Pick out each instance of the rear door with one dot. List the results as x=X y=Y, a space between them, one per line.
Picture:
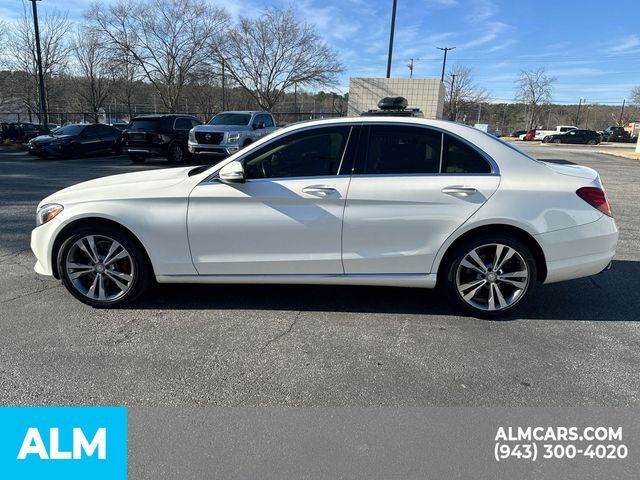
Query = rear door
x=90 y=139
x=412 y=188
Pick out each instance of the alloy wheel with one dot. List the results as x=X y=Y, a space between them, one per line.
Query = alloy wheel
x=100 y=268
x=492 y=277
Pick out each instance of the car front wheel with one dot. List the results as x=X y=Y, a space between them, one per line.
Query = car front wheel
x=490 y=275
x=556 y=140
x=103 y=266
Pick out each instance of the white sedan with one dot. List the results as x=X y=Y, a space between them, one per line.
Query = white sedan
x=381 y=201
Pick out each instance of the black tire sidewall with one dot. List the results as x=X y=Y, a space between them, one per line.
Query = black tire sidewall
x=141 y=279
x=453 y=260
x=171 y=156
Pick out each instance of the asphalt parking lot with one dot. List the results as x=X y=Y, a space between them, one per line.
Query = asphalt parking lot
x=575 y=343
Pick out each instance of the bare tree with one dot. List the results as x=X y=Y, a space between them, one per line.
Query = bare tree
x=275 y=51
x=635 y=95
x=95 y=81
x=21 y=50
x=534 y=89
x=459 y=89
x=167 y=39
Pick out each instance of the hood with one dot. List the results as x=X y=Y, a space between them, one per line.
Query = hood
x=222 y=128
x=44 y=139
x=573 y=170
x=123 y=186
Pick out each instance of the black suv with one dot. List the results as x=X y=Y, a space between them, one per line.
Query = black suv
x=616 y=134
x=158 y=136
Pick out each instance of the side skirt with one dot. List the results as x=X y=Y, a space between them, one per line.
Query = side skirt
x=398 y=280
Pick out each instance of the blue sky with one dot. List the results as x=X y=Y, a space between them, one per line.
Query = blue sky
x=592 y=49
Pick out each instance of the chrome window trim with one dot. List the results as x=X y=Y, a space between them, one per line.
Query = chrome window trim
x=495 y=169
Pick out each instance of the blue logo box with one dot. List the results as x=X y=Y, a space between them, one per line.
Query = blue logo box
x=63 y=443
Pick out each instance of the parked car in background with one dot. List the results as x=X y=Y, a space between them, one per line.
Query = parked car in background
x=529 y=136
x=228 y=132
x=364 y=201
x=517 y=133
x=158 y=136
x=616 y=134
x=76 y=140
x=119 y=125
x=21 y=131
x=585 y=137
x=541 y=134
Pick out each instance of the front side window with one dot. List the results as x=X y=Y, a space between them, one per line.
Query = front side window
x=310 y=153
x=183 y=124
x=394 y=149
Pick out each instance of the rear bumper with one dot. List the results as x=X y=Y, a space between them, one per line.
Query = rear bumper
x=579 y=251
x=148 y=151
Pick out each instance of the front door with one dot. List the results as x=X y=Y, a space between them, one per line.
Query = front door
x=412 y=188
x=286 y=219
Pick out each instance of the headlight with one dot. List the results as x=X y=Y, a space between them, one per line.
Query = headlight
x=48 y=212
x=233 y=137
x=192 y=136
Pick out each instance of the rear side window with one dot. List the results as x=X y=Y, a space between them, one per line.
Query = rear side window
x=267 y=120
x=402 y=150
x=144 y=125
x=459 y=157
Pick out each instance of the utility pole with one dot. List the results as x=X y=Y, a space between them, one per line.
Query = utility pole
x=410 y=65
x=578 y=114
x=621 y=112
x=479 y=111
x=43 y=100
x=444 y=60
x=586 y=123
x=393 y=26
x=452 y=112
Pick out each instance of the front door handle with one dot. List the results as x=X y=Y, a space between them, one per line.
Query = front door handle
x=319 y=190
x=459 y=190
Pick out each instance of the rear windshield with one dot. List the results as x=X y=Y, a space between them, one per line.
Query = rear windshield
x=68 y=130
x=144 y=124
x=231 y=119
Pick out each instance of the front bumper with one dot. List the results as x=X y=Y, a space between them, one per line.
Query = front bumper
x=42 y=239
x=147 y=151
x=213 y=150
x=580 y=251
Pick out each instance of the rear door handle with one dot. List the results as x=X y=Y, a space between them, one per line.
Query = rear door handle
x=459 y=190
x=319 y=190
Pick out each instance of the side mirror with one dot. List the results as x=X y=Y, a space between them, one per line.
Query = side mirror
x=232 y=173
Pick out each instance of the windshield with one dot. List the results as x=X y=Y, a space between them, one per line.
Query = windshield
x=68 y=130
x=231 y=119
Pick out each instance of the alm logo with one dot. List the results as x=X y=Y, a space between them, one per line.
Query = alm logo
x=34 y=445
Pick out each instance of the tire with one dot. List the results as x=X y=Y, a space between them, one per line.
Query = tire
x=137 y=158
x=246 y=143
x=556 y=141
x=102 y=284
x=176 y=153
x=479 y=289
x=592 y=142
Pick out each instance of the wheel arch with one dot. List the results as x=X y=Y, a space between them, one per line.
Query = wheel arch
x=79 y=223
x=517 y=232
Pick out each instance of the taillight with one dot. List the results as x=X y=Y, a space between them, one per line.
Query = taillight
x=595 y=197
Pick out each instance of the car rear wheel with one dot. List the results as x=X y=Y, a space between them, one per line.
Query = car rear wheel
x=103 y=266
x=137 y=158
x=490 y=275
x=556 y=140
x=176 y=153
x=592 y=142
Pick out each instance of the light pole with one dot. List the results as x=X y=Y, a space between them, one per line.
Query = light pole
x=43 y=100
x=393 y=26
x=444 y=60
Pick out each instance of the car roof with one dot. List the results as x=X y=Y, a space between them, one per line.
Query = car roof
x=162 y=115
